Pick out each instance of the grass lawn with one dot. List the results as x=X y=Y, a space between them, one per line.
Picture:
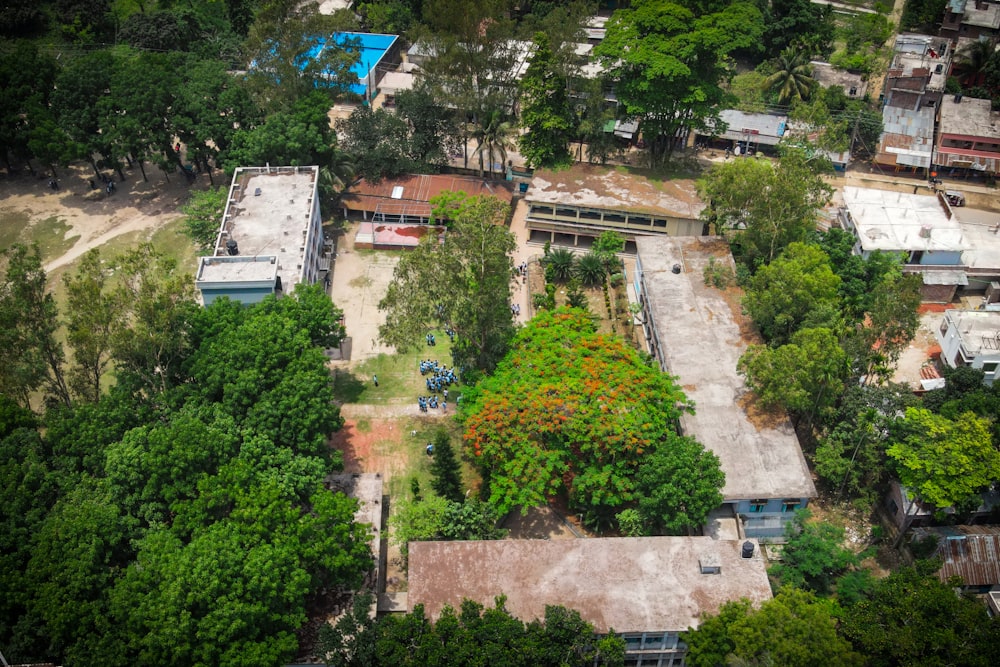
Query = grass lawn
x=50 y=234
x=398 y=374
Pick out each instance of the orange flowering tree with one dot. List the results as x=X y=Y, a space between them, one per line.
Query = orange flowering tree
x=569 y=411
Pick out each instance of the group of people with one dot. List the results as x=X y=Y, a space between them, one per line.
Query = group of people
x=440 y=379
x=109 y=184
x=515 y=309
x=431 y=341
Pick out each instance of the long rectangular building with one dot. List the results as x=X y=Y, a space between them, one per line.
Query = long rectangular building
x=270 y=237
x=648 y=589
x=697 y=333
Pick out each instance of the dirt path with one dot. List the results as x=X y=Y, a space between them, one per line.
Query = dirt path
x=91 y=215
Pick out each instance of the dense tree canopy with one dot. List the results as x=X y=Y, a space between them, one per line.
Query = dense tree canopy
x=145 y=515
x=805 y=376
x=799 y=288
x=573 y=412
x=790 y=630
x=913 y=618
x=471 y=635
x=850 y=457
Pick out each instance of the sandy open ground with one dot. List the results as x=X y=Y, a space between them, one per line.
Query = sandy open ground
x=93 y=216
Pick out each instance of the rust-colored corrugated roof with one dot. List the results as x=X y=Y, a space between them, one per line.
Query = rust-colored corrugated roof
x=415 y=192
x=970 y=552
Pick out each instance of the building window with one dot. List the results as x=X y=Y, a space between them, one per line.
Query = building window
x=990 y=367
x=757 y=506
x=944 y=327
x=790 y=505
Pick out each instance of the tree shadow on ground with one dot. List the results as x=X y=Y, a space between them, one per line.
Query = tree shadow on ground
x=347 y=387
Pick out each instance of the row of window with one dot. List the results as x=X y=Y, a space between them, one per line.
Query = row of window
x=759 y=506
x=606 y=217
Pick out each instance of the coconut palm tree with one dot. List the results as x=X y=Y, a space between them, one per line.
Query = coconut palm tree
x=493 y=138
x=334 y=178
x=976 y=59
x=793 y=79
x=590 y=270
x=559 y=265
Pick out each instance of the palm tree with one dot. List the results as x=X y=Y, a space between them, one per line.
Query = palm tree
x=334 y=177
x=793 y=79
x=590 y=270
x=975 y=59
x=492 y=139
x=559 y=265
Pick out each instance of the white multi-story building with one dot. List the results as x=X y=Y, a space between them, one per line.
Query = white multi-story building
x=971 y=338
x=270 y=237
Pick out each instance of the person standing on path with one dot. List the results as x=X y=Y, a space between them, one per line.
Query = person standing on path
x=375 y=380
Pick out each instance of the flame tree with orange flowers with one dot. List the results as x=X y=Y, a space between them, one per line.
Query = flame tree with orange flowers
x=580 y=415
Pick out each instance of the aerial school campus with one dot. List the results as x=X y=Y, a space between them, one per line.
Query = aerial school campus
x=622 y=333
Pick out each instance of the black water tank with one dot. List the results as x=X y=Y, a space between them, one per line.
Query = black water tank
x=232 y=248
x=958 y=98
x=748 y=549
x=676 y=268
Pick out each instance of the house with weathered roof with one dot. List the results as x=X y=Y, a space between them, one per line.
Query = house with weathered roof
x=698 y=333
x=971 y=553
x=647 y=589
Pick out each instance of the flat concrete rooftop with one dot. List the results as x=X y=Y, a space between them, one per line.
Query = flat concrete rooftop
x=897 y=221
x=615 y=188
x=268 y=214
x=240 y=268
x=979 y=330
x=702 y=335
x=971 y=117
x=626 y=584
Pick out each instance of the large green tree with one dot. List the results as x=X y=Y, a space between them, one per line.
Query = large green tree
x=431 y=126
x=805 y=376
x=790 y=630
x=572 y=412
x=378 y=141
x=798 y=289
x=946 y=462
x=677 y=485
x=668 y=64
x=545 y=110
x=790 y=21
x=30 y=356
x=913 y=618
x=93 y=314
x=462 y=283
x=26 y=82
x=765 y=205
x=299 y=136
